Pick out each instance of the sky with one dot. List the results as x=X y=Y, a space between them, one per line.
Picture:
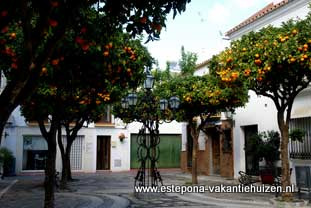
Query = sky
x=199 y=28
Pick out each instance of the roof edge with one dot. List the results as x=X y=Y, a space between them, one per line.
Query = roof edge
x=261 y=13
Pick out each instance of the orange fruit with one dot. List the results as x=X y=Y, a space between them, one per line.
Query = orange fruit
x=14 y=66
x=44 y=70
x=106 y=53
x=13 y=35
x=258 y=62
x=55 y=62
x=53 y=23
x=54 y=3
x=234 y=75
x=292 y=60
x=229 y=60
x=85 y=47
x=247 y=72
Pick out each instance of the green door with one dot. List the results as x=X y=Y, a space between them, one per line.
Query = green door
x=170 y=147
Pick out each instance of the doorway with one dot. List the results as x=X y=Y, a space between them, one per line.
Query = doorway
x=215 y=152
x=251 y=163
x=169 y=146
x=189 y=147
x=103 y=153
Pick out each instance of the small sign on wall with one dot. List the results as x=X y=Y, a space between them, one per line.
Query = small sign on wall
x=113 y=144
x=117 y=163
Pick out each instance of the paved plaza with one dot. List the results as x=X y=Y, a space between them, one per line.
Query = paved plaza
x=111 y=189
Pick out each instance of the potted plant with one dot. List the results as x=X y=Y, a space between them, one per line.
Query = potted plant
x=265 y=146
x=297 y=135
x=121 y=137
x=6 y=161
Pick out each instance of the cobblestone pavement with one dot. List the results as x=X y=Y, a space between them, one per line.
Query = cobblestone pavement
x=162 y=200
x=122 y=185
x=90 y=190
x=110 y=189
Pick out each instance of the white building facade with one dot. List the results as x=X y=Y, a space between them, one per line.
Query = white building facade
x=260 y=114
x=97 y=147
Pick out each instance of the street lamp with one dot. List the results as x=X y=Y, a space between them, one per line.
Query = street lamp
x=174 y=102
x=163 y=104
x=132 y=99
x=148 y=137
x=148 y=84
x=125 y=103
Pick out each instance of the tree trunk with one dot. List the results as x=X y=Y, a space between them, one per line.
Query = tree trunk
x=63 y=183
x=284 y=128
x=68 y=167
x=66 y=170
x=66 y=164
x=65 y=154
x=50 y=169
x=8 y=102
x=195 y=161
x=194 y=135
x=71 y=136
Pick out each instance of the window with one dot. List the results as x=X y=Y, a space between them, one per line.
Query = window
x=301 y=150
x=76 y=152
x=106 y=119
x=35 y=150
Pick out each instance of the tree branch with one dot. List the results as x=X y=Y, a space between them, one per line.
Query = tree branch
x=43 y=130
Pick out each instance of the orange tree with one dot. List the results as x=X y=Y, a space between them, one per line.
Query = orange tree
x=275 y=62
x=31 y=30
x=200 y=98
x=84 y=74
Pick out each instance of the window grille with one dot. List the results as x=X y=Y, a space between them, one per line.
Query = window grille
x=76 y=152
x=301 y=150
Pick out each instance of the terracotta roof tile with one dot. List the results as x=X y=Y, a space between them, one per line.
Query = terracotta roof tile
x=266 y=10
x=202 y=64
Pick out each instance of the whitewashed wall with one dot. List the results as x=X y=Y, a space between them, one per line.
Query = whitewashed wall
x=201 y=71
x=294 y=9
x=261 y=110
x=120 y=151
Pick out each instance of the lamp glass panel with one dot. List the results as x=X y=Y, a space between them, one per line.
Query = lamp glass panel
x=132 y=99
x=163 y=104
x=148 y=84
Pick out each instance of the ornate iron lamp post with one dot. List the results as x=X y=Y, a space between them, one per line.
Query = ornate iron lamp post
x=148 y=136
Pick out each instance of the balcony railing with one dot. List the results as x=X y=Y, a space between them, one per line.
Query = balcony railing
x=301 y=150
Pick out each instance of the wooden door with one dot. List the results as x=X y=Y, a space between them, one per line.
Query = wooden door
x=103 y=153
x=251 y=164
x=216 y=154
